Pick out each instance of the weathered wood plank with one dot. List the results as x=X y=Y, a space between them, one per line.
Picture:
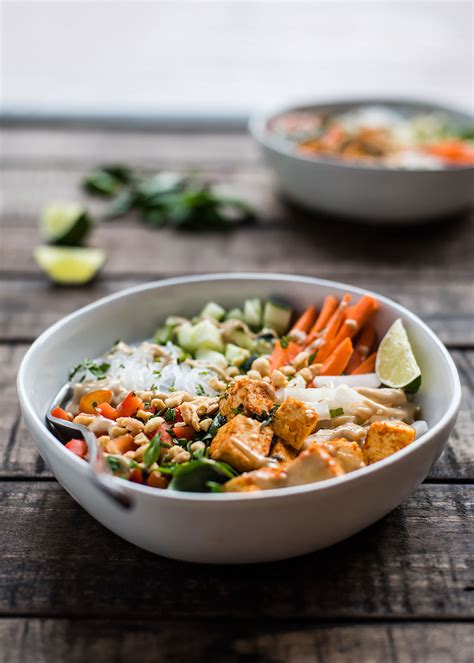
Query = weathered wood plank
x=19 y=457
x=56 y=641
x=252 y=183
x=43 y=146
x=304 y=246
x=58 y=561
x=29 y=305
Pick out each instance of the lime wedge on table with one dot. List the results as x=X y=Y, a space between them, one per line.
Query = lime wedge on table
x=65 y=223
x=396 y=364
x=69 y=265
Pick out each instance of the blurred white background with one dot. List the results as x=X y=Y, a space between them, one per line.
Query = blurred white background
x=224 y=59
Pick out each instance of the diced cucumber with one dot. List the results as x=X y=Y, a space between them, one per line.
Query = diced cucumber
x=277 y=316
x=207 y=335
x=263 y=345
x=234 y=314
x=240 y=338
x=186 y=337
x=163 y=335
x=236 y=355
x=253 y=313
x=213 y=310
x=212 y=357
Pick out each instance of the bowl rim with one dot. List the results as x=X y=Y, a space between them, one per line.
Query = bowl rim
x=257 y=126
x=276 y=493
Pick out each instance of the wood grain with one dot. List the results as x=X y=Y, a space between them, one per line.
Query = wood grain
x=58 y=561
x=43 y=147
x=402 y=590
x=56 y=641
x=140 y=250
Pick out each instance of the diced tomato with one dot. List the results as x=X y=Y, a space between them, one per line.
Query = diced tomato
x=186 y=432
x=89 y=401
x=130 y=405
x=78 y=447
x=136 y=475
x=107 y=411
x=157 y=480
x=179 y=416
x=165 y=436
x=59 y=413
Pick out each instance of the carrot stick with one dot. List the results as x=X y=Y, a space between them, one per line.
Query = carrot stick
x=367 y=366
x=306 y=320
x=362 y=348
x=278 y=356
x=329 y=337
x=303 y=324
x=357 y=317
x=329 y=306
x=338 y=359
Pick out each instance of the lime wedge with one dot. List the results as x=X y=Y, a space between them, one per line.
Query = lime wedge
x=65 y=224
x=69 y=265
x=396 y=365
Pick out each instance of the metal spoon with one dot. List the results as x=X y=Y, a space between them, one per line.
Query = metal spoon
x=101 y=475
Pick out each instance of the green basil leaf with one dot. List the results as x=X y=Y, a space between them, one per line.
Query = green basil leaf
x=192 y=477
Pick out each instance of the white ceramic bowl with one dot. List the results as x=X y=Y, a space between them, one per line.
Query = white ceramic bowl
x=376 y=195
x=232 y=528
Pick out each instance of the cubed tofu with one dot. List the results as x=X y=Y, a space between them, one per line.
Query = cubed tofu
x=242 y=442
x=249 y=397
x=385 y=438
x=294 y=421
x=264 y=479
x=313 y=464
x=282 y=452
x=349 y=454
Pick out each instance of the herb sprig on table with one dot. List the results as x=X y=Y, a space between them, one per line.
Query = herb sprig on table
x=166 y=199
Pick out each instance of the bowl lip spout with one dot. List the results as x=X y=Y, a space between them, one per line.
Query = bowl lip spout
x=258 y=128
x=38 y=427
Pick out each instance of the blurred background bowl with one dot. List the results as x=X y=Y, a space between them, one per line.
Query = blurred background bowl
x=374 y=194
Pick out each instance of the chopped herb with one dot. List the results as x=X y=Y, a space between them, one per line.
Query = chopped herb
x=171 y=389
x=98 y=370
x=204 y=372
x=153 y=450
x=169 y=468
x=337 y=412
x=238 y=410
x=214 y=487
x=114 y=463
x=170 y=415
x=200 y=390
x=312 y=357
x=266 y=418
x=117 y=341
x=218 y=421
x=284 y=341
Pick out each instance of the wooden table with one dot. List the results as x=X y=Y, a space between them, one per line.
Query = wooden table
x=402 y=590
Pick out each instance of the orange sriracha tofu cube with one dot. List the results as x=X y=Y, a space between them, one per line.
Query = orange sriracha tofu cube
x=349 y=454
x=313 y=464
x=241 y=442
x=282 y=452
x=385 y=438
x=294 y=421
x=263 y=479
x=247 y=396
